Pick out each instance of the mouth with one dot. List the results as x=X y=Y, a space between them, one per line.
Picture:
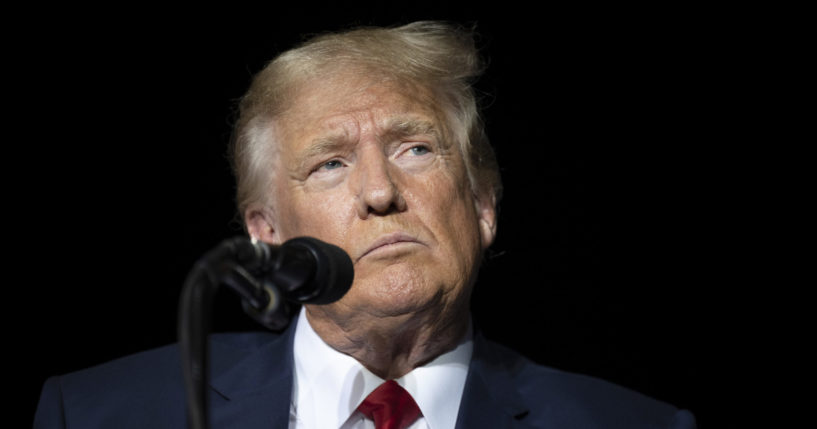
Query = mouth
x=393 y=241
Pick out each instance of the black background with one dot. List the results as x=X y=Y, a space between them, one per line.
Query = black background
x=611 y=259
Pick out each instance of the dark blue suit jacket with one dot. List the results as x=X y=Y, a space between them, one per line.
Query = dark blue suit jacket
x=252 y=382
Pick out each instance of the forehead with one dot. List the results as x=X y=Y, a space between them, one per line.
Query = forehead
x=345 y=106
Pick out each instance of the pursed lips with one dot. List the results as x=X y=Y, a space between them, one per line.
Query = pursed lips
x=389 y=239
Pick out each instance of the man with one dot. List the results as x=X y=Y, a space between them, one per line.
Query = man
x=370 y=140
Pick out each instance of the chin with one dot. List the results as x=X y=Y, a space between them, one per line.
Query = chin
x=391 y=296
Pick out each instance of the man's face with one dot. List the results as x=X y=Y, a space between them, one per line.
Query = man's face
x=368 y=166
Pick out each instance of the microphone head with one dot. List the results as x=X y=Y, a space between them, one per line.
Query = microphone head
x=334 y=271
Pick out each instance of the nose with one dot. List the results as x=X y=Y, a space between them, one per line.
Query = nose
x=377 y=193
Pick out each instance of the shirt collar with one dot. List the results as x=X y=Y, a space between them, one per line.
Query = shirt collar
x=329 y=385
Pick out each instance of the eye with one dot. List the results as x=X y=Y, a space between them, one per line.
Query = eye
x=419 y=150
x=331 y=165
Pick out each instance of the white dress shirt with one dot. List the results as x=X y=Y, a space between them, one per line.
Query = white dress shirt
x=329 y=385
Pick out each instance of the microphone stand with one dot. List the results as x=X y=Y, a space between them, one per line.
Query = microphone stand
x=220 y=265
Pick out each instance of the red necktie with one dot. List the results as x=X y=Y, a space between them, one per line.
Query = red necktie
x=390 y=406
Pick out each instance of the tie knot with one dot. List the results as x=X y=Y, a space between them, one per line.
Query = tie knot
x=390 y=406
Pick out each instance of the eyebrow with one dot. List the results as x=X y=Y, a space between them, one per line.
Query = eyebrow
x=395 y=128
x=406 y=127
x=318 y=147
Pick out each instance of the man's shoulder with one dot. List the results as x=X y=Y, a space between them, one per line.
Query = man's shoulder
x=164 y=363
x=145 y=387
x=540 y=380
x=575 y=400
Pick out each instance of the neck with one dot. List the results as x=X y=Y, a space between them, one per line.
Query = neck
x=391 y=346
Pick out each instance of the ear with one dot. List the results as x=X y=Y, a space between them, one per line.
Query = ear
x=260 y=224
x=486 y=214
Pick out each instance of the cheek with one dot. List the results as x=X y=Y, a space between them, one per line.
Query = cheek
x=320 y=215
x=452 y=197
x=450 y=209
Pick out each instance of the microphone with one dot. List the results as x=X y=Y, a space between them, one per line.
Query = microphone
x=301 y=270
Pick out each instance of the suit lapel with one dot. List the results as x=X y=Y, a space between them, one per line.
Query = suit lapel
x=490 y=399
x=254 y=391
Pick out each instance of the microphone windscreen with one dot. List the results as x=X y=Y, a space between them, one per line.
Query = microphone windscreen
x=334 y=271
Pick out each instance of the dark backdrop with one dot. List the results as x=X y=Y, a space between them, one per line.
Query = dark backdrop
x=610 y=256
